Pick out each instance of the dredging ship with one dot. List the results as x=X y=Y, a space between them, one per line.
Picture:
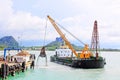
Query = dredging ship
x=67 y=55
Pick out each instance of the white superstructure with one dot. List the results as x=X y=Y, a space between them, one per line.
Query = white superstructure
x=63 y=52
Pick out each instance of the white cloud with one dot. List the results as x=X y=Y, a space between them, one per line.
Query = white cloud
x=5 y=9
x=108 y=32
x=106 y=12
x=20 y=23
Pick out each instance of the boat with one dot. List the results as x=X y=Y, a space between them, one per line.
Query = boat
x=67 y=55
x=64 y=56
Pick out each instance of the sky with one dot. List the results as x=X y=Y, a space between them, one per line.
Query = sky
x=26 y=20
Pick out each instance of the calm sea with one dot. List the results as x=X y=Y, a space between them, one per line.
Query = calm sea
x=54 y=71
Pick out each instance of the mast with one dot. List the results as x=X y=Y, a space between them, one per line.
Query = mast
x=95 y=39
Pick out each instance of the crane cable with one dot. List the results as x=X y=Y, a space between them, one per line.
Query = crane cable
x=70 y=33
x=45 y=39
x=44 y=45
x=45 y=33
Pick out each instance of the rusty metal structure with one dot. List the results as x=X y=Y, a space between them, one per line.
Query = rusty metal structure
x=95 y=39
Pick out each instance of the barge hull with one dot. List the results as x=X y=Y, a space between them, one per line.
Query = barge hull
x=88 y=64
x=79 y=63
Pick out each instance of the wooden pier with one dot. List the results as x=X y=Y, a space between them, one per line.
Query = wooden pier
x=13 y=68
x=12 y=64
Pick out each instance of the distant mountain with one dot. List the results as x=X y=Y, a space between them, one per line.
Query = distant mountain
x=56 y=44
x=8 y=41
x=53 y=44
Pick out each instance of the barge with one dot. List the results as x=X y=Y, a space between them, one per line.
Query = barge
x=87 y=58
x=65 y=57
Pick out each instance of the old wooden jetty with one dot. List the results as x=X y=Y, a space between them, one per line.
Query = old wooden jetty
x=11 y=65
x=11 y=68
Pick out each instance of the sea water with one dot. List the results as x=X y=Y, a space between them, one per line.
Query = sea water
x=54 y=71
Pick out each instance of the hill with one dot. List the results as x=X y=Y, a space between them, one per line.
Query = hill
x=55 y=44
x=8 y=41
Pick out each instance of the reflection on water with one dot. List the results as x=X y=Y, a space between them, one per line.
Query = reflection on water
x=55 y=71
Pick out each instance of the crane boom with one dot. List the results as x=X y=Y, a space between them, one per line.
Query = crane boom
x=62 y=35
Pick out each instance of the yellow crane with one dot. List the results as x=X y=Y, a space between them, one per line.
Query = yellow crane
x=85 y=52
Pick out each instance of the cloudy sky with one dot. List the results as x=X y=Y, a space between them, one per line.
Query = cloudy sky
x=26 y=20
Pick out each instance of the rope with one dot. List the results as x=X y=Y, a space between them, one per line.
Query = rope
x=44 y=43
x=45 y=33
x=71 y=34
x=45 y=39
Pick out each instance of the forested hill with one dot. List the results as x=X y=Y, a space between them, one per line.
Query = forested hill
x=8 y=41
x=56 y=44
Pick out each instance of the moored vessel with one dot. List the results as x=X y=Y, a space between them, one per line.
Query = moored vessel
x=84 y=59
x=65 y=56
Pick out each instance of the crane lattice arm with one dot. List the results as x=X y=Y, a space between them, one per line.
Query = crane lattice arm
x=62 y=35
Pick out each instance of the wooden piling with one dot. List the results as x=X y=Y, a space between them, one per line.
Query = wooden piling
x=7 y=69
